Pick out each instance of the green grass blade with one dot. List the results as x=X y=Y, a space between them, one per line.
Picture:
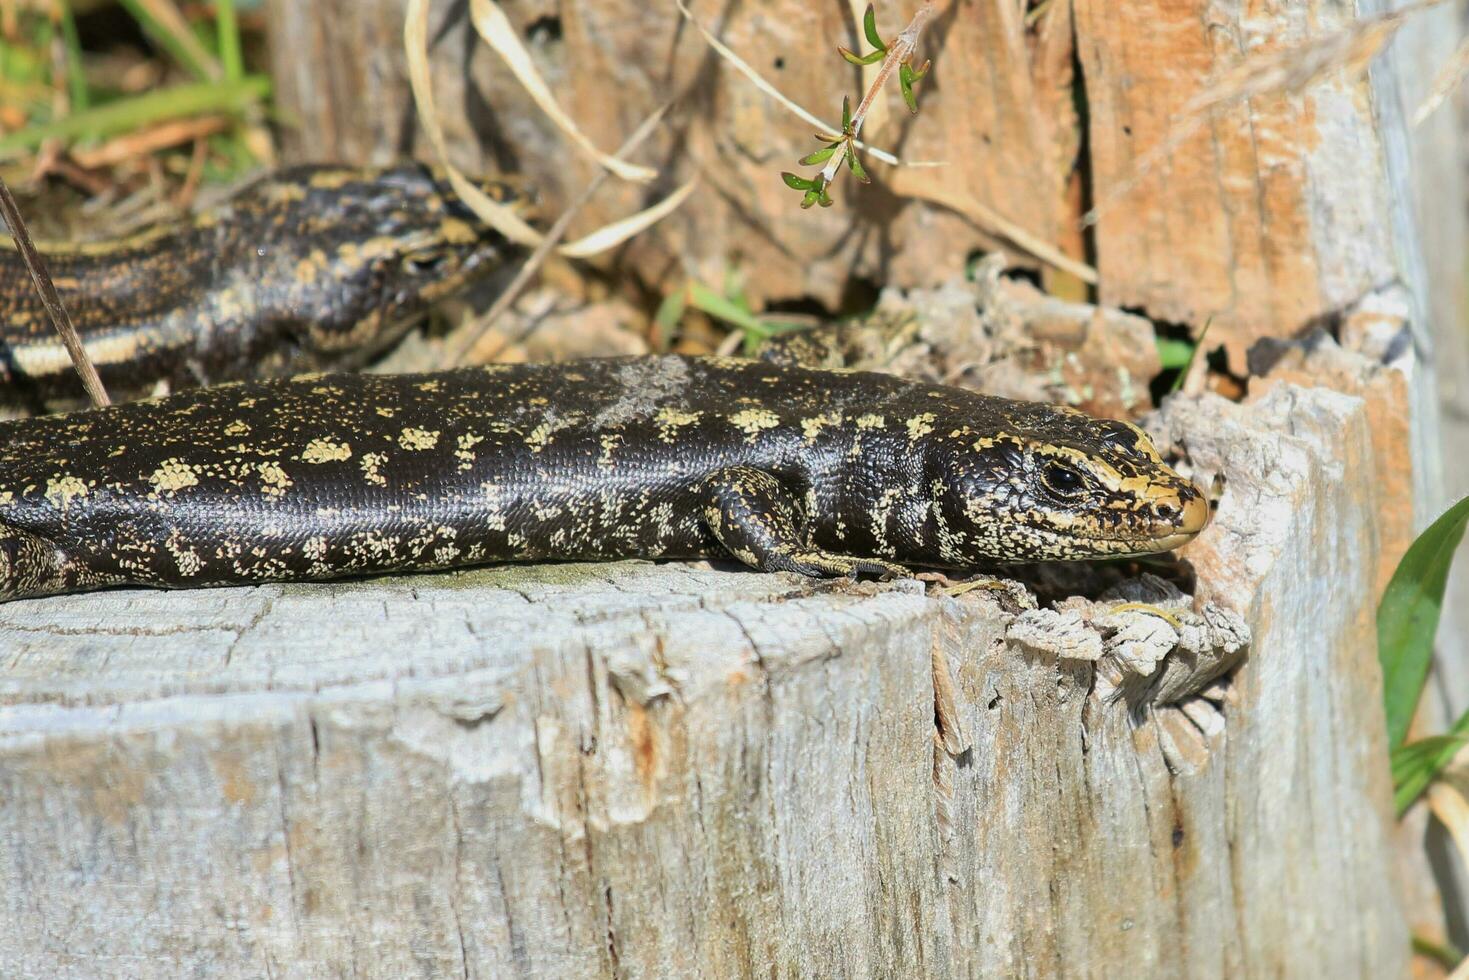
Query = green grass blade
x=231 y=52
x=1188 y=365
x=1174 y=353
x=706 y=299
x=666 y=320
x=1407 y=617
x=754 y=327
x=126 y=115
x=180 y=50
x=76 y=78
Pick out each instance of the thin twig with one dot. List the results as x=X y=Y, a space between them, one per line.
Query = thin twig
x=759 y=81
x=877 y=116
x=10 y=211
x=899 y=52
x=455 y=353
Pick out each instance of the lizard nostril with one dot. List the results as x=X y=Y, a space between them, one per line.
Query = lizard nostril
x=1166 y=512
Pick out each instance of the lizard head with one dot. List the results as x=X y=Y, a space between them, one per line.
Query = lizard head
x=1057 y=484
x=363 y=253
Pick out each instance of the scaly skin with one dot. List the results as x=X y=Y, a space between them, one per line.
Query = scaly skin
x=307 y=268
x=783 y=468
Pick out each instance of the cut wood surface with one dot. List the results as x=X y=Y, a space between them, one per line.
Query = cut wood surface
x=654 y=770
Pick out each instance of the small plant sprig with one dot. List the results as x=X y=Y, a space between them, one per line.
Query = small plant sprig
x=841 y=147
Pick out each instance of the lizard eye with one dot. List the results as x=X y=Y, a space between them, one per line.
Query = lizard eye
x=1062 y=479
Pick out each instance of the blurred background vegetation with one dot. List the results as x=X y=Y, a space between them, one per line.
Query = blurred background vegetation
x=126 y=108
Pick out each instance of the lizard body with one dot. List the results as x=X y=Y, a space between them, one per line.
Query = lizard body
x=783 y=468
x=307 y=268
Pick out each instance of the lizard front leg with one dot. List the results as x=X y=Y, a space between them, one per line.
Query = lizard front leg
x=762 y=524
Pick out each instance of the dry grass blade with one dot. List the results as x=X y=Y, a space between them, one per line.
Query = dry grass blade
x=502 y=218
x=610 y=236
x=1281 y=71
x=10 y=212
x=1449 y=77
x=492 y=24
x=498 y=216
x=992 y=221
x=454 y=353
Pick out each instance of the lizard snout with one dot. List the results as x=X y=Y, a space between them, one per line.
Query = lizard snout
x=1180 y=510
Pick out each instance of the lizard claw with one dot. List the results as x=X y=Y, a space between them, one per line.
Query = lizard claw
x=824 y=564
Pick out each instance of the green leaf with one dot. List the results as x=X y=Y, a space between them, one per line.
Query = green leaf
x=846 y=114
x=1407 y=617
x=796 y=182
x=855 y=165
x=824 y=200
x=1417 y=764
x=869 y=28
x=905 y=82
x=857 y=59
x=820 y=156
x=812 y=196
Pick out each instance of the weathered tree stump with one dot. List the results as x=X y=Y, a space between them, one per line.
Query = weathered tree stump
x=656 y=770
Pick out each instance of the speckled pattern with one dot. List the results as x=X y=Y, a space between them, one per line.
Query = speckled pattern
x=819 y=472
x=308 y=268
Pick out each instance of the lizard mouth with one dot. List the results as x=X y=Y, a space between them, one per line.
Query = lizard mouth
x=1181 y=512
x=1177 y=515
